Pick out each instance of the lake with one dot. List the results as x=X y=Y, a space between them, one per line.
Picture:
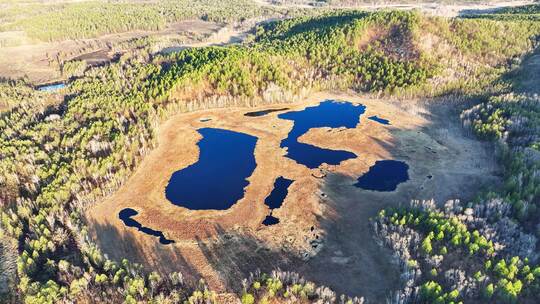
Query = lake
x=279 y=193
x=276 y=198
x=270 y=220
x=126 y=215
x=329 y=113
x=264 y=112
x=385 y=175
x=379 y=120
x=218 y=179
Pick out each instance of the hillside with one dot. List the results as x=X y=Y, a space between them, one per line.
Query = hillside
x=59 y=159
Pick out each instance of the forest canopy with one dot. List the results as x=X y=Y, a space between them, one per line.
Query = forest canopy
x=57 y=159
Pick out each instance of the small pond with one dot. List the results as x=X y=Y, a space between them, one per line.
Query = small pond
x=126 y=216
x=276 y=198
x=279 y=193
x=379 y=120
x=51 y=87
x=264 y=112
x=270 y=220
x=329 y=113
x=385 y=175
x=217 y=180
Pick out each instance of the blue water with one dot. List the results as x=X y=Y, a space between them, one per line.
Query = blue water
x=126 y=216
x=379 y=120
x=52 y=87
x=264 y=112
x=270 y=220
x=217 y=180
x=276 y=198
x=385 y=175
x=279 y=193
x=328 y=113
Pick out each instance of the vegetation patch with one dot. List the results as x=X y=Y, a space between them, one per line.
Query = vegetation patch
x=57 y=160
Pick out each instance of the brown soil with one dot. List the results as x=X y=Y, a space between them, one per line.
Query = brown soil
x=324 y=231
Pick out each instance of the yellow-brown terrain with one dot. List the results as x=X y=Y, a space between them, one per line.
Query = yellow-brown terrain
x=324 y=219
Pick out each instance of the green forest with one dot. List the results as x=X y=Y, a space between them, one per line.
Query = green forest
x=93 y=18
x=58 y=159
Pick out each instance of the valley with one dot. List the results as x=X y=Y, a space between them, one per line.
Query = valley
x=269 y=152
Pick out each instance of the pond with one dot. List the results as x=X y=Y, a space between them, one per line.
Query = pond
x=218 y=179
x=276 y=198
x=126 y=216
x=385 y=175
x=279 y=193
x=270 y=220
x=329 y=113
x=379 y=120
x=51 y=87
x=264 y=112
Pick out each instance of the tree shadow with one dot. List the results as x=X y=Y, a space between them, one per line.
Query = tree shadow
x=235 y=255
x=351 y=261
x=146 y=251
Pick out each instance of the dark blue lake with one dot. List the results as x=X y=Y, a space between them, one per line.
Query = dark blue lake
x=270 y=220
x=385 y=175
x=264 y=112
x=217 y=180
x=276 y=198
x=126 y=216
x=279 y=193
x=379 y=120
x=329 y=113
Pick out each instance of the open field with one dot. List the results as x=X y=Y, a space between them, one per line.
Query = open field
x=40 y=62
x=224 y=246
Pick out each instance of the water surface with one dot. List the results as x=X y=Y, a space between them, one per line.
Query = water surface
x=51 y=87
x=385 y=175
x=279 y=193
x=217 y=180
x=276 y=198
x=270 y=220
x=264 y=112
x=379 y=120
x=126 y=216
x=332 y=114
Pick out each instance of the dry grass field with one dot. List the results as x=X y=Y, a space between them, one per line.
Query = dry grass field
x=324 y=231
x=39 y=61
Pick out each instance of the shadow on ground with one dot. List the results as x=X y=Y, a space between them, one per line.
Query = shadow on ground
x=235 y=255
x=163 y=258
